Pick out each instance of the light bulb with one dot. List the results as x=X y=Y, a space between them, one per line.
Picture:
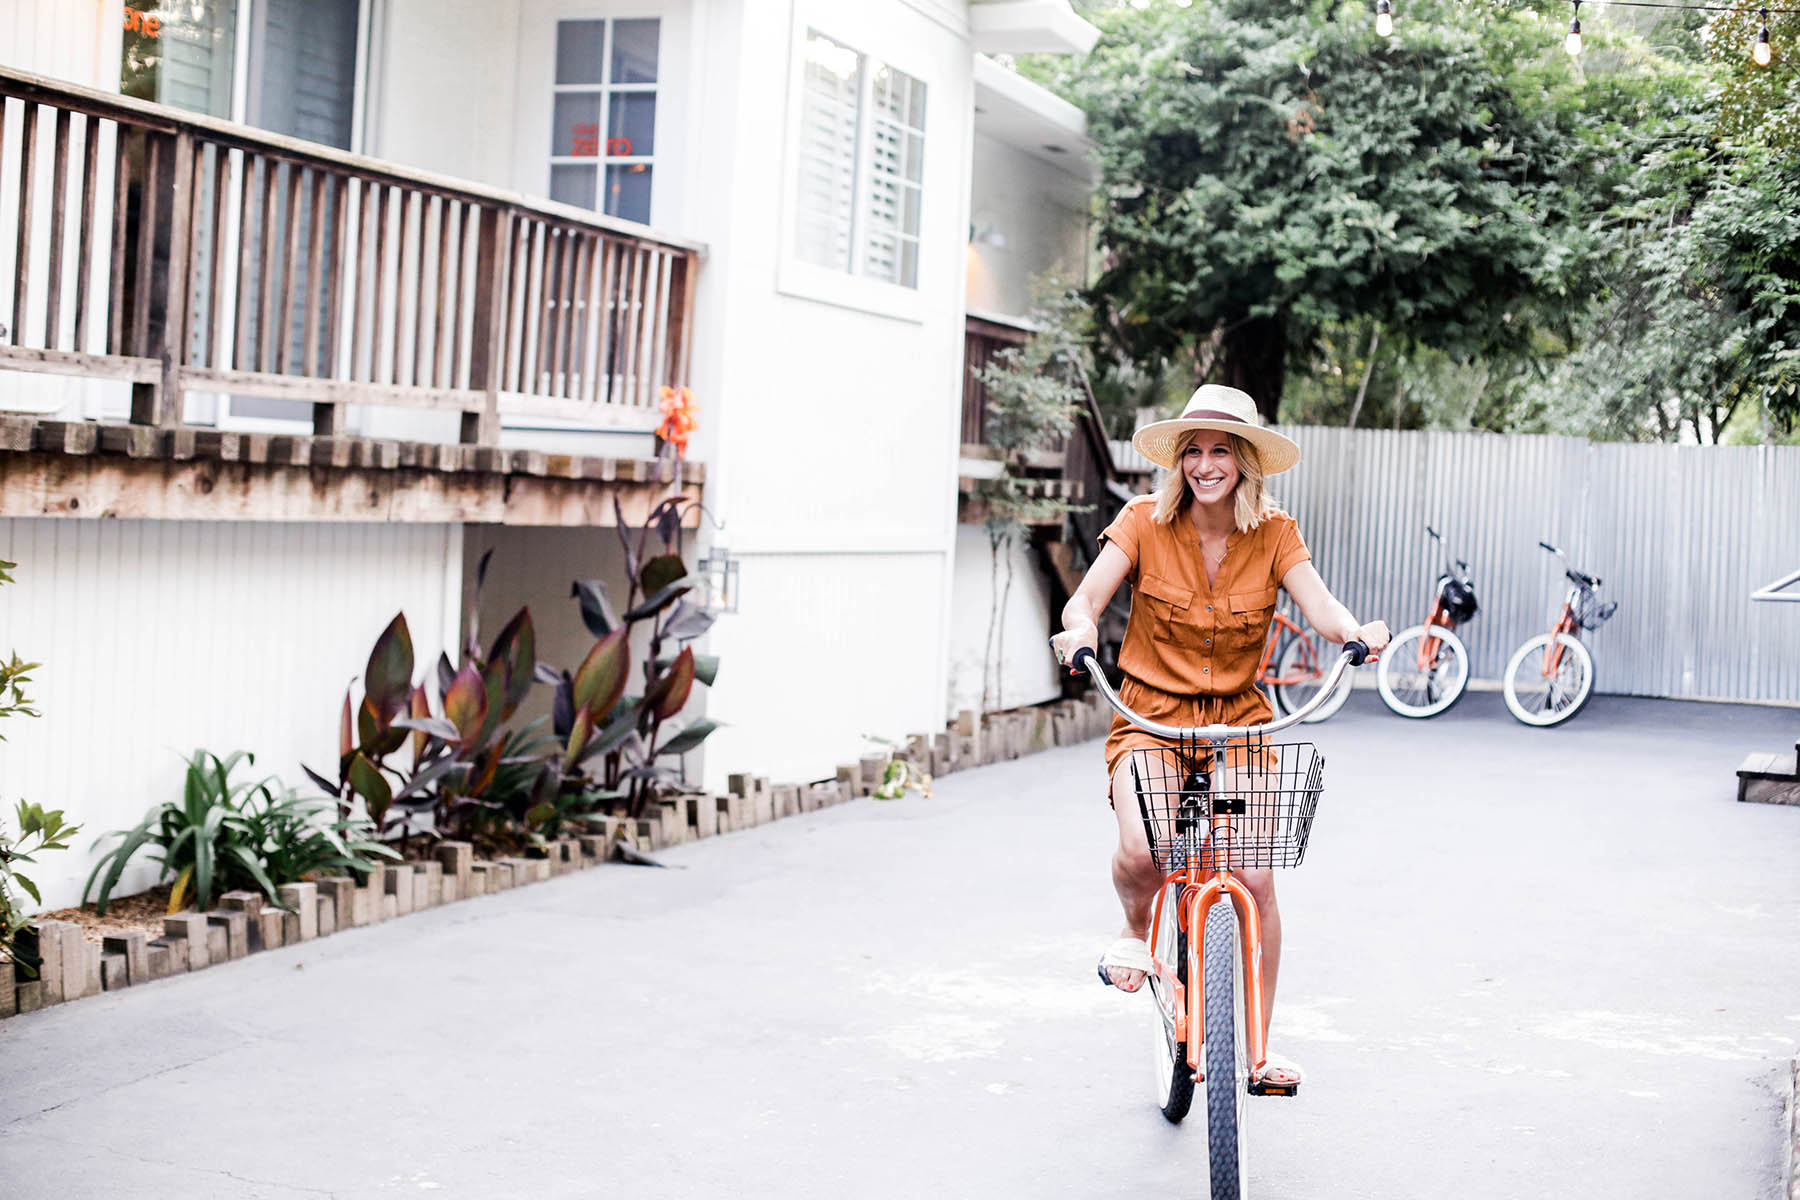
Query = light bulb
x=1384 y=19
x=1572 y=43
x=1761 y=53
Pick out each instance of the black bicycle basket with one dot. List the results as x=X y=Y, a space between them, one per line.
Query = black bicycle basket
x=1255 y=812
x=1590 y=613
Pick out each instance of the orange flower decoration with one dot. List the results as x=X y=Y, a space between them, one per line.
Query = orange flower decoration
x=681 y=416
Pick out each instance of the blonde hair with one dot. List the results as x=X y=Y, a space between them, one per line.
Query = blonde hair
x=1251 y=501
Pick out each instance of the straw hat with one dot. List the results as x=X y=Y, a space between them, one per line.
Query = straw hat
x=1227 y=410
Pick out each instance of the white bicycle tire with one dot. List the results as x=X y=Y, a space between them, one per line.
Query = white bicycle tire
x=1395 y=652
x=1332 y=702
x=1584 y=690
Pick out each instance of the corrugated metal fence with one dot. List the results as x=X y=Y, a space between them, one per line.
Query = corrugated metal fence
x=1680 y=535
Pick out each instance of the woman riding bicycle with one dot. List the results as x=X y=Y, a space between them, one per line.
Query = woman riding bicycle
x=1205 y=556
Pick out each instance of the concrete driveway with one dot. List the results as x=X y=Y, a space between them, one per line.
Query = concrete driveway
x=1520 y=963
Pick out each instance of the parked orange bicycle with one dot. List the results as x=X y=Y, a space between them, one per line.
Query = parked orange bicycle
x=1551 y=676
x=1425 y=669
x=1216 y=800
x=1295 y=662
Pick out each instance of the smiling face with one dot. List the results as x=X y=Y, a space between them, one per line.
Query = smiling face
x=1210 y=467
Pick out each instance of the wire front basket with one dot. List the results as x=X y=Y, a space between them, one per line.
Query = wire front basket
x=1257 y=811
x=1590 y=613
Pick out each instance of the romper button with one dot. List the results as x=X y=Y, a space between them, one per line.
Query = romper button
x=1209 y=641
x=1206 y=670
x=1209 y=608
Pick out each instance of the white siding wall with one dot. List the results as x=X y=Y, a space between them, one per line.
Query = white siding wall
x=77 y=40
x=829 y=431
x=160 y=637
x=1029 y=676
x=825 y=649
x=1039 y=214
x=444 y=88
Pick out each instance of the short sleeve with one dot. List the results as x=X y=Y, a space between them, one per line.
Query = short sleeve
x=1290 y=549
x=1124 y=531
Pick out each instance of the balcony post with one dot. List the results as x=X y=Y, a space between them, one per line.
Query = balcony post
x=485 y=365
x=169 y=278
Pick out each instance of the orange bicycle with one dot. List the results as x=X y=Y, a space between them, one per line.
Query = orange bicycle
x=1425 y=669
x=1217 y=799
x=1294 y=664
x=1551 y=676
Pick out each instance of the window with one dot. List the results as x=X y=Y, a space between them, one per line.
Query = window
x=180 y=54
x=860 y=164
x=603 y=123
x=302 y=56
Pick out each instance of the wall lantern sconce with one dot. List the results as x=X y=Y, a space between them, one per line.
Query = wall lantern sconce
x=718 y=589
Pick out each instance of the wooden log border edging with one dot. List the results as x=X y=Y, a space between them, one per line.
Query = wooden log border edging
x=246 y=923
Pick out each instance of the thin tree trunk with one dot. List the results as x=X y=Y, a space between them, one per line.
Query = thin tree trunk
x=1000 y=657
x=995 y=538
x=1254 y=358
x=1362 y=389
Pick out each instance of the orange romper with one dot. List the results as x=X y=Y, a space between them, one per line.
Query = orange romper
x=1191 y=651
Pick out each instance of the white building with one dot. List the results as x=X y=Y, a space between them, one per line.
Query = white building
x=794 y=208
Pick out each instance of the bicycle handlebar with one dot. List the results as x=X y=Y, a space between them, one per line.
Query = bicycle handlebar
x=1354 y=654
x=1579 y=578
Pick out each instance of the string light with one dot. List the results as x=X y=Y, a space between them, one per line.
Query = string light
x=1384 y=18
x=1761 y=54
x=1572 y=43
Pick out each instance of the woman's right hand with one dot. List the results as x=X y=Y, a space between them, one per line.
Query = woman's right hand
x=1066 y=643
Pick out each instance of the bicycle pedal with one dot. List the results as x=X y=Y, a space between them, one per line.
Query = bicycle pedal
x=1274 y=1089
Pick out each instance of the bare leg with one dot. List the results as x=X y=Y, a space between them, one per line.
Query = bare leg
x=1134 y=873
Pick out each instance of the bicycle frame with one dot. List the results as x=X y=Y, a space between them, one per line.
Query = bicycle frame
x=1279 y=626
x=1201 y=890
x=1565 y=623
x=1428 y=646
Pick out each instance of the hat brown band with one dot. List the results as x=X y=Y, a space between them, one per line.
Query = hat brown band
x=1212 y=414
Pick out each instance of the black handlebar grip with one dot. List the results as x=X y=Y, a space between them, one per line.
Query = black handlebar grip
x=1549 y=547
x=1083 y=660
x=1358 y=651
x=1434 y=533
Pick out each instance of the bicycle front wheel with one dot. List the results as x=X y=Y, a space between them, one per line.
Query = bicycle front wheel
x=1227 y=1055
x=1419 y=684
x=1542 y=695
x=1174 y=1077
x=1300 y=671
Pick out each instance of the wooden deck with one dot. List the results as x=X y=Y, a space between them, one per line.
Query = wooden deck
x=85 y=470
x=178 y=253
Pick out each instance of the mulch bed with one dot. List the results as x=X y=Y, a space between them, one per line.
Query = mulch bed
x=142 y=911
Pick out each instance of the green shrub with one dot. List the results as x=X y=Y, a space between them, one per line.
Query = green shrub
x=225 y=836
x=38 y=831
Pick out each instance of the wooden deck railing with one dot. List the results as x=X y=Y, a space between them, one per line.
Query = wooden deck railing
x=180 y=252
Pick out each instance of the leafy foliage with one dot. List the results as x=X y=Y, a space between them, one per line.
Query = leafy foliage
x=1270 y=170
x=1458 y=227
x=593 y=715
x=225 y=835
x=38 y=831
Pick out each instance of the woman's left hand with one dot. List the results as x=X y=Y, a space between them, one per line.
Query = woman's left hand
x=1375 y=636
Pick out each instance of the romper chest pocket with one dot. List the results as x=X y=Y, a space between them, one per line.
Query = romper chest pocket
x=1170 y=607
x=1250 y=615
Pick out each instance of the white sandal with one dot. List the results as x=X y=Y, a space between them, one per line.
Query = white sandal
x=1126 y=954
x=1279 y=1071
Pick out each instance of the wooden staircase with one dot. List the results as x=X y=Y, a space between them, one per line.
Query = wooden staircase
x=1771 y=768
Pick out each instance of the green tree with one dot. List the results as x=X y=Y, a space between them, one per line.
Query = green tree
x=1270 y=171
